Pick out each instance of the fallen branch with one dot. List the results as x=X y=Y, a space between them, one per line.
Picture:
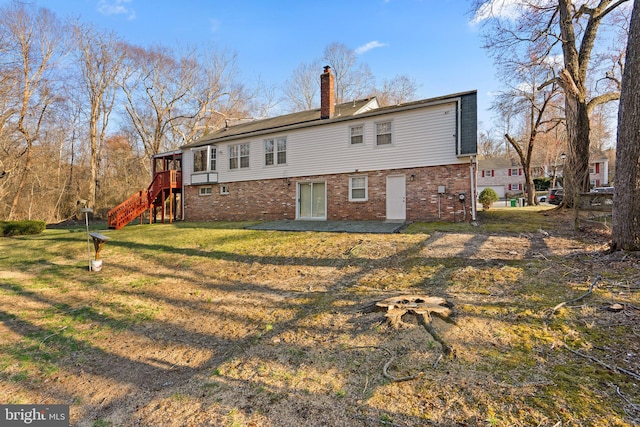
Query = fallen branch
x=425 y=321
x=613 y=369
x=385 y=368
x=388 y=376
x=632 y=410
x=592 y=287
x=53 y=335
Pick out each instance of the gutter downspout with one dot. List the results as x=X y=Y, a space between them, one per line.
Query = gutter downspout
x=459 y=125
x=472 y=173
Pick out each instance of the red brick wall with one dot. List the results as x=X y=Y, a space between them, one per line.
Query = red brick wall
x=276 y=198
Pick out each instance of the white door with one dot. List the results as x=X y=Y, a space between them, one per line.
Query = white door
x=312 y=200
x=396 y=198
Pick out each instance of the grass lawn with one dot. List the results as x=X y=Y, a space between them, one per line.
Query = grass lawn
x=210 y=324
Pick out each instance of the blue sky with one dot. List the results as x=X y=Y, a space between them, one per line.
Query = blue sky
x=432 y=41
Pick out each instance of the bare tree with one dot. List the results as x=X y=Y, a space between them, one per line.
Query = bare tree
x=34 y=44
x=488 y=145
x=536 y=113
x=353 y=80
x=100 y=56
x=397 y=90
x=626 y=209
x=552 y=27
x=156 y=84
x=216 y=98
x=173 y=99
x=301 y=89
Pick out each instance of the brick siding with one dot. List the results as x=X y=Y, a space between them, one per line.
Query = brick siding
x=276 y=198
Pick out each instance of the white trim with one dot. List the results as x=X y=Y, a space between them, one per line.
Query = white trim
x=366 y=188
x=298 y=200
x=349 y=136
x=376 y=134
x=202 y=190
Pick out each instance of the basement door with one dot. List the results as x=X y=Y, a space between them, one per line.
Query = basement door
x=312 y=200
x=396 y=198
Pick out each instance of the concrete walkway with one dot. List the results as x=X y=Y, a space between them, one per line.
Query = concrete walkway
x=331 y=226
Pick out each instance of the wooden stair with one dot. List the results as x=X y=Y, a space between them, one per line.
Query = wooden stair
x=135 y=206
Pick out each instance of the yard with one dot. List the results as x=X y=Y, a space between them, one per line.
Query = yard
x=209 y=324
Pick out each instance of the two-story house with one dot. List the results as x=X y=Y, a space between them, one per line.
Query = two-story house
x=350 y=161
x=355 y=160
x=504 y=176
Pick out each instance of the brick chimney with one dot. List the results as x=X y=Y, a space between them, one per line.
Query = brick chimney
x=327 y=94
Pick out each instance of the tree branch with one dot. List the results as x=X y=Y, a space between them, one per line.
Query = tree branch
x=602 y=99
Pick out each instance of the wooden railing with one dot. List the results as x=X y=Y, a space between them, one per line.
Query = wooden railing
x=135 y=205
x=126 y=211
x=164 y=180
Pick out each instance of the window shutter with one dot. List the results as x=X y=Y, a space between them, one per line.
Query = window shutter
x=597 y=167
x=483 y=174
x=492 y=172
x=519 y=171
x=509 y=171
x=519 y=186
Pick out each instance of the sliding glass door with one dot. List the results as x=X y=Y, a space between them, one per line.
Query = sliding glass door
x=312 y=200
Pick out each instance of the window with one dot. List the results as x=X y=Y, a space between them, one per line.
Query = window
x=200 y=160
x=275 y=151
x=383 y=133
x=515 y=172
x=592 y=169
x=487 y=173
x=205 y=191
x=239 y=156
x=356 y=134
x=515 y=187
x=224 y=189
x=204 y=159
x=358 y=188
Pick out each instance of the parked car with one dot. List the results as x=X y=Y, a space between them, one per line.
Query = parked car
x=603 y=190
x=555 y=196
x=542 y=198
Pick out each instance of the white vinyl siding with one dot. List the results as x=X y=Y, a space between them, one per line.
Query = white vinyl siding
x=421 y=138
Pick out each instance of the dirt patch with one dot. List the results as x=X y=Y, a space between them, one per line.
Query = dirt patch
x=236 y=327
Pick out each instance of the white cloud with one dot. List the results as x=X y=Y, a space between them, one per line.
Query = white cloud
x=504 y=9
x=116 y=7
x=367 y=47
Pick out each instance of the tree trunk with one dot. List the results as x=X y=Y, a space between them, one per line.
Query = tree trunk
x=626 y=225
x=13 y=213
x=576 y=169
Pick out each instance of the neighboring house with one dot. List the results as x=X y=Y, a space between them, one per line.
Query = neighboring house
x=598 y=169
x=351 y=161
x=504 y=176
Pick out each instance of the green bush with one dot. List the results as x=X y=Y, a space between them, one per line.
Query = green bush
x=542 y=184
x=19 y=228
x=487 y=197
